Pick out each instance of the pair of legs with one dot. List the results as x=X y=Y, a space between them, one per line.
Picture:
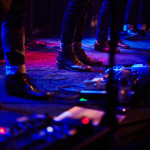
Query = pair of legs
x=104 y=22
x=71 y=55
x=12 y=13
x=136 y=17
x=1 y=50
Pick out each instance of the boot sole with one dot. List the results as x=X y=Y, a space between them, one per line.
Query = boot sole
x=103 y=51
x=15 y=93
x=23 y=95
x=65 y=67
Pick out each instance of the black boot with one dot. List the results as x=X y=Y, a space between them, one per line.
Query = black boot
x=131 y=35
x=20 y=85
x=104 y=47
x=142 y=33
x=1 y=54
x=81 y=55
x=68 y=60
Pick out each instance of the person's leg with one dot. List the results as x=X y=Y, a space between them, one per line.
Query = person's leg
x=1 y=50
x=131 y=17
x=13 y=40
x=74 y=14
x=123 y=12
x=66 y=57
x=80 y=53
x=4 y=8
x=122 y=15
x=104 y=19
x=148 y=24
x=143 y=17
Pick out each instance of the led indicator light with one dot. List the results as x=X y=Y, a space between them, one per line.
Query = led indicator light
x=85 y=120
x=2 y=130
x=83 y=100
x=50 y=129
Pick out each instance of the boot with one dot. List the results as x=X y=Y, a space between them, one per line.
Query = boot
x=122 y=45
x=1 y=55
x=68 y=60
x=84 y=58
x=19 y=85
x=104 y=47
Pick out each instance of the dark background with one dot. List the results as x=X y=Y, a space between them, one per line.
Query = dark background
x=47 y=16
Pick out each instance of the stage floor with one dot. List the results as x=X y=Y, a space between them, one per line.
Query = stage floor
x=41 y=66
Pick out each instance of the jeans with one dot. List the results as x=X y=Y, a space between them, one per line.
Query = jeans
x=74 y=21
x=13 y=31
x=105 y=19
x=137 y=10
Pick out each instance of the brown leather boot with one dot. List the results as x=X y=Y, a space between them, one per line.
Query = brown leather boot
x=84 y=58
x=122 y=45
x=66 y=59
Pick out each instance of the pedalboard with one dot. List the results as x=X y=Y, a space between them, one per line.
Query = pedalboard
x=127 y=80
x=41 y=132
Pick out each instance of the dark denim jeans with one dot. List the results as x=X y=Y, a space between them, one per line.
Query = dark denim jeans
x=74 y=21
x=105 y=18
x=13 y=33
x=137 y=12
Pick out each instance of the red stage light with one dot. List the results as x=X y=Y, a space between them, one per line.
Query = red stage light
x=85 y=120
x=2 y=130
